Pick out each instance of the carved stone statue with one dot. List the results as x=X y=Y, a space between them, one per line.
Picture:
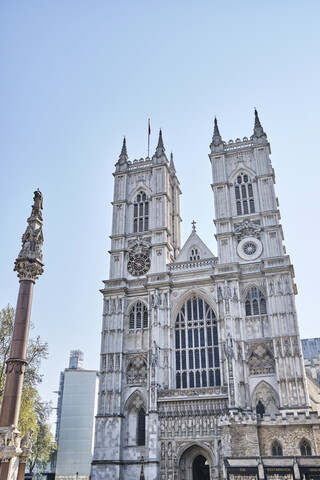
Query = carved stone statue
x=38 y=204
x=29 y=262
x=26 y=441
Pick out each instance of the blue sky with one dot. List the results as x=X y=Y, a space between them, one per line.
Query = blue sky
x=78 y=75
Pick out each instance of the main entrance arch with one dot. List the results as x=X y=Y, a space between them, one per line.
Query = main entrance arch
x=195 y=464
x=200 y=468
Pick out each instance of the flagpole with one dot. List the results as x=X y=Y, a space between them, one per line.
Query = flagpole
x=149 y=131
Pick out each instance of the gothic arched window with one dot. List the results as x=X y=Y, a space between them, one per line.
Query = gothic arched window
x=276 y=449
x=244 y=194
x=255 y=303
x=196 y=346
x=141 y=427
x=141 y=213
x=138 y=317
x=305 y=447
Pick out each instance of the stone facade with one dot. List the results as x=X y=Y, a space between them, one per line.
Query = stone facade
x=201 y=359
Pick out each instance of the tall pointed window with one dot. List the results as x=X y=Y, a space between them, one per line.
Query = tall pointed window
x=305 y=447
x=138 y=317
x=196 y=346
x=141 y=213
x=255 y=303
x=244 y=194
x=276 y=449
x=141 y=430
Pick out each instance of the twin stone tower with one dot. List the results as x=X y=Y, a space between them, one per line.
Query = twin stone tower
x=201 y=373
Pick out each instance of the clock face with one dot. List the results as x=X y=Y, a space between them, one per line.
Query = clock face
x=138 y=264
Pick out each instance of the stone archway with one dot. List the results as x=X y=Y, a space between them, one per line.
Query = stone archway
x=200 y=468
x=195 y=463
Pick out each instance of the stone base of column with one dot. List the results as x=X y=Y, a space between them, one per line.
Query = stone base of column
x=14 y=453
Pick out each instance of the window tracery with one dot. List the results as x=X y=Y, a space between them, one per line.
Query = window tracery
x=141 y=213
x=244 y=194
x=135 y=421
x=255 y=303
x=305 y=447
x=276 y=449
x=136 y=372
x=138 y=318
x=196 y=346
x=261 y=361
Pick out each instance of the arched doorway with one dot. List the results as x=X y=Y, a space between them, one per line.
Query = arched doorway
x=195 y=463
x=200 y=468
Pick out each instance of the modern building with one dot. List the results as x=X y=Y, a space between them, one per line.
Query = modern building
x=76 y=410
x=202 y=373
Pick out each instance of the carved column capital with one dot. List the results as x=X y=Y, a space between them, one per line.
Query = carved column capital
x=18 y=365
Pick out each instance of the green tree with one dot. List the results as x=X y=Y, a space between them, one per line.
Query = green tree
x=37 y=351
x=34 y=413
x=44 y=446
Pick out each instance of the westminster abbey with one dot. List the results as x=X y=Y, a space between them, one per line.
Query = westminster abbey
x=201 y=373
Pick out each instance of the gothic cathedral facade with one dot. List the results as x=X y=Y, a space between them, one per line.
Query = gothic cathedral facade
x=201 y=372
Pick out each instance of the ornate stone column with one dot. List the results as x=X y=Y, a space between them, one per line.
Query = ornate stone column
x=14 y=452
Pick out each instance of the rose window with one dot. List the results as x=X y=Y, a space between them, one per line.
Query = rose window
x=250 y=248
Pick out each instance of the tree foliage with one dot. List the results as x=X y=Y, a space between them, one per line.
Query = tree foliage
x=34 y=413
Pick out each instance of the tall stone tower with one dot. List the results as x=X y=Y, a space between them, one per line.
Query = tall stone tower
x=201 y=366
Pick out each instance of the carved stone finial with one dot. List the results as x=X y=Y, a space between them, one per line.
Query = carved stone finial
x=29 y=263
x=193 y=223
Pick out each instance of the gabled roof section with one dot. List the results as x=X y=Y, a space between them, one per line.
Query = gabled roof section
x=193 y=248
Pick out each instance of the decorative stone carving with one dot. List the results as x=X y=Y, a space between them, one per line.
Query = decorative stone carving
x=247 y=229
x=26 y=441
x=10 y=437
x=16 y=364
x=137 y=370
x=110 y=366
x=139 y=246
x=29 y=263
x=261 y=360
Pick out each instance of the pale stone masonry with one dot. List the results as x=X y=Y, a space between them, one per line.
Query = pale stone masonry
x=201 y=370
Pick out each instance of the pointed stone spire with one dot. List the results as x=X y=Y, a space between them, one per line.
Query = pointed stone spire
x=216 y=138
x=172 y=166
x=258 y=130
x=160 y=150
x=123 y=157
